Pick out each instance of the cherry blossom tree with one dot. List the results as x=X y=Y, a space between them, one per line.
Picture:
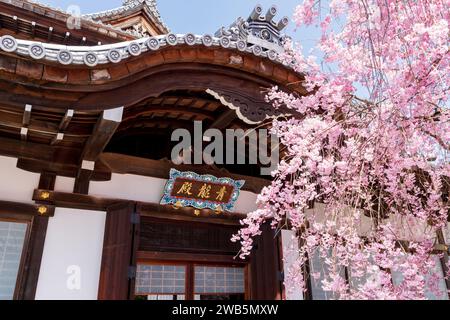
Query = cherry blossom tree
x=364 y=178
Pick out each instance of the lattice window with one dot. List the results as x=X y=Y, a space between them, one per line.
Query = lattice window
x=12 y=238
x=210 y=280
x=160 y=280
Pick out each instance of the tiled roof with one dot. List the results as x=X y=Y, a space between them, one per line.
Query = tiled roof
x=113 y=53
x=130 y=5
x=61 y=15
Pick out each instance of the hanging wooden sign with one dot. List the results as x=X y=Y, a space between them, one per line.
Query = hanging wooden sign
x=188 y=189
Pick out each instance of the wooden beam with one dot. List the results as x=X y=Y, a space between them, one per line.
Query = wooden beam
x=143 y=256
x=27 y=115
x=63 y=126
x=33 y=256
x=66 y=120
x=40 y=210
x=50 y=34
x=47 y=181
x=25 y=122
x=73 y=200
x=66 y=37
x=124 y=164
x=16 y=24
x=86 y=202
x=23 y=133
x=82 y=181
x=33 y=29
x=22 y=149
x=102 y=134
x=62 y=167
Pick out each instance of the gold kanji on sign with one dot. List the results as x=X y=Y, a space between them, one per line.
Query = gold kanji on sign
x=221 y=193
x=204 y=192
x=185 y=189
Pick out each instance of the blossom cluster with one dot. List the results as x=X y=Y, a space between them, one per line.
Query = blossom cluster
x=371 y=149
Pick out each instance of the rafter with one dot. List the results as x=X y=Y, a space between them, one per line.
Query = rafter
x=104 y=130
x=63 y=126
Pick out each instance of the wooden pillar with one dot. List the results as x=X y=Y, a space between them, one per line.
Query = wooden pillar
x=265 y=268
x=444 y=260
x=119 y=253
x=35 y=249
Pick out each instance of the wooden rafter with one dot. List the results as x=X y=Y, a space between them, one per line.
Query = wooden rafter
x=104 y=130
x=63 y=126
x=25 y=122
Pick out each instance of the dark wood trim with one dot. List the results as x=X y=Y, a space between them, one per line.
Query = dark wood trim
x=281 y=265
x=188 y=214
x=25 y=149
x=114 y=283
x=30 y=272
x=135 y=246
x=103 y=131
x=190 y=282
x=188 y=257
x=124 y=164
x=64 y=168
x=47 y=181
x=86 y=202
x=74 y=200
x=445 y=259
x=82 y=182
x=43 y=210
x=33 y=255
x=25 y=219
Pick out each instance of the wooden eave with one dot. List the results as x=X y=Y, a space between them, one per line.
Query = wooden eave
x=239 y=76
x=160 y=90
x=45 y=18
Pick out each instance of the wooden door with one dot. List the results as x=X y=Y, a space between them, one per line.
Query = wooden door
x=119 y=253
x=265 y=267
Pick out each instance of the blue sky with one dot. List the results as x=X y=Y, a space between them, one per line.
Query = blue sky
x=201 y=16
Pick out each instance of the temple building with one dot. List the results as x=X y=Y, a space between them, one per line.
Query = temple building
x=92 y=203
x=88 y=105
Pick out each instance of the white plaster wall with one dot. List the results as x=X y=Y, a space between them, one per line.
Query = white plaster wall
x=290 y=255
x=73 y=244
x=129 y=187
x=16 y=185
x=64 y=184
x=147 y=189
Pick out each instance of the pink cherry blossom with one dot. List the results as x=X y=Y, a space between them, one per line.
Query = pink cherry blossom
x=371 y=150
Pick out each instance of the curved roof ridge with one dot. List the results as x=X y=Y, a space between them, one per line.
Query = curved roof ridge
x=92 y=56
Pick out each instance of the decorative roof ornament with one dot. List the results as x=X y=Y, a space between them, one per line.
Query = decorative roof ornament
x=259 y=30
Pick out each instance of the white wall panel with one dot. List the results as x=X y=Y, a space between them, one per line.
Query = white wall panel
x=16 y=185
x=71 y=261
x=64 y=184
